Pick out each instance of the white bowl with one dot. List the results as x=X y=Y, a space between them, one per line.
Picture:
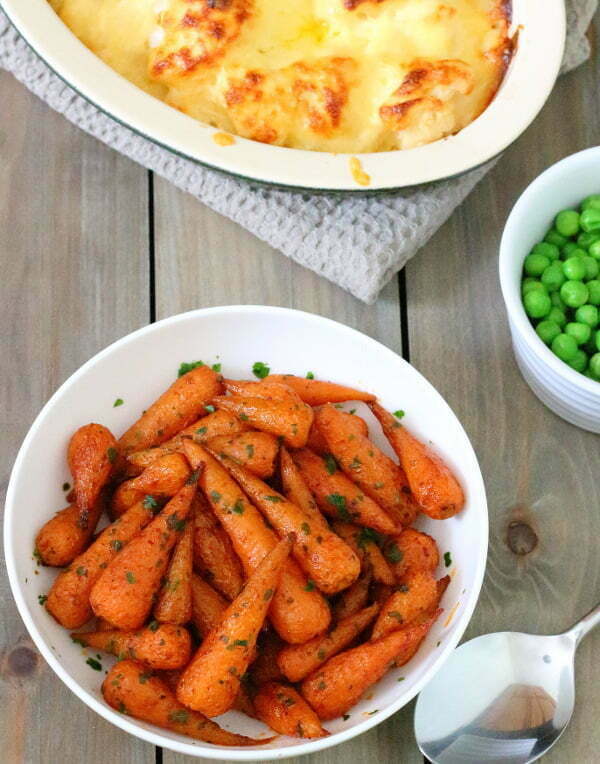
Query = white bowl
x=137 y=368
x=565 y=391
x=528 y=82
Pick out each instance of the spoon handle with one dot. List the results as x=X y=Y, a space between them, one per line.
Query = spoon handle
x=585 y=625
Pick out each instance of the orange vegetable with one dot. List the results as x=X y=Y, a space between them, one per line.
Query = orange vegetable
x=417 y=596
x=129 y=687
x=374 y=472
x=91 y=454
x=256 y=451
x=316 y=440
x=362 y=542
x=354 y=598
x=337 y=496
x=410 y=552
x=409 y=650
x=298 y=661
x=337 y=685
x=269 y=391
x=214 y=556
x=325 y=558
x=124 y=593
x=296 y=490
x=298 y=612
x=316 y=392
x=211 y=681
x=283 y=709
x=174 y=604
x=69 y=598
x=64 y=536
x=431 y=481
x=162 y=479
x=176 y=408
x=208 y=606
x=159 y=646
x=102 y=625
x=264 y=668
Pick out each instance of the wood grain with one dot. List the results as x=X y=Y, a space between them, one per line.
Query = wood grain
x=73 y=226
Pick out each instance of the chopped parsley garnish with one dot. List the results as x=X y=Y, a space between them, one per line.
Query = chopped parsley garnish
x=370 y=713
x=93 y=663
x=118 y=402
x=216 y=367
x=175 y=523
x=122 y=708
x=153 y=625
x=243 y=417
x=193 y=477
x=321 y=654
x=310 y=585
x=399 y=414
x=116 y=544
x=306 y=528
x=237 y=643
x=355 y=464
x=66 y=486
x=210 y=408
x=310 y=375
x=322 y=685
x=352 y=411
x=215 y=496
x=81 y=571
x=447 y=559
x=250 y=450
x=261 y=370
x=130 y=577
x=180 y=716
x=339 y=502
x=345 y=717
x=368 y=536
x=143 y=678
x=274 y=499
x=395 y=614
x=201 y=430
x=330 y=463
x=400 y=679
x=112 y=454
x=393 y=553
x=185 y=367
x=150 y=503
x=238 y=507
x=42 y=598
x=267 y=595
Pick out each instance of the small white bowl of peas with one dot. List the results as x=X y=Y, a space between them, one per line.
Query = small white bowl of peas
x=550 y=278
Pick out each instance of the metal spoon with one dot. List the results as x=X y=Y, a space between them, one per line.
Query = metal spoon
x=502 y=698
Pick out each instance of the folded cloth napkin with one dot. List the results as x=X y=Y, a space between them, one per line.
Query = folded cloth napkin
x=356 y=242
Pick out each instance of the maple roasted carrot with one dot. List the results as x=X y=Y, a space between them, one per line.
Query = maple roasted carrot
x=208 y=606
x=69 y=598
x=411 y=599
x=354 y=598
x=162 y=479
x=296 y=490
x=63 y=537
x=410 y=552
x=256 y=451
x=298 y=661
x=323 y=556
x=159 y=646
x=316 y=440
x=339 y=497
x=268 y=390
x=361 y=541
x=298 y=611
x=435 y=488
x=177 y=407
x=131 y=688
x=211 y=681
x=124 y=593
x=91 y=454
x=315 y=392
x=174 y=604
x=282 y=708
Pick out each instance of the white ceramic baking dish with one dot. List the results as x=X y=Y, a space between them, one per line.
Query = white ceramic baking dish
x=539 y=24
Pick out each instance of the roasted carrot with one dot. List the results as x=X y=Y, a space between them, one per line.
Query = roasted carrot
x=102 y=625
x=69 y=598
x=413 y=598
x=124 y=593
x=409 y=650
x=316 y=440
x=284 y=710
x=268 y=390
x=298 y=661
x=323 y=556
x=338 y=684
x=264 y=668
x=298 y=610
x=362 y=542
x=214 y=556
x=211 y=681
x=162 y=479
x=316 y=392
x=354 y=598
x=160 y=646
x=297 y=491
x=338 y=497
x=435 y=488
x=256 y=451
x=64 y=536
x=410 y=552
x=174 y=604
x=208 y=606
x=91 y=454
x=176 y=408
x=129 y=687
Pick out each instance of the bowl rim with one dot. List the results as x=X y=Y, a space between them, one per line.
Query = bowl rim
x=532 y=72
x=518 y=319
x=463 y=617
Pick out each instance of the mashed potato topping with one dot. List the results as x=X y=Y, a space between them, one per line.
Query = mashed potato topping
x=325 y=75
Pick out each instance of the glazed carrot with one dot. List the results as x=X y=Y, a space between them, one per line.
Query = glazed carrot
x=268 y=390
x=264 y=668
x=64 y=536
x=298 y=611
x=214 y=556
x=410 y=552
x=374 y=472
x=176 y=408
x=323 y=556
x=411 y=599
x=69 y=598
x=160 y=646
x=124 y=593
x=213 y=425
x=174 y=604
x=354 y=598
x=211 y=681
x=162 y=479
x=91 y=454
x=284 y=710
x=431 y=481
x=208 y=606
x=256 y=451
x=298 y=661
x=409 y=650
x=337 y=496
x=316 y=392
x=338 y=684
x=316 y=440
x=362 y=542
x=296 y=490
x=129 y=687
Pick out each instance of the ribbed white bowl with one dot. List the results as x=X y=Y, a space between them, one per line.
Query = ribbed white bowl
x=569 y=394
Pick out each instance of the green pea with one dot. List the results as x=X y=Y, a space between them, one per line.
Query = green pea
x=594 y=292
x=551 y=251
x=557 y=301
x=547 y=331
x=574 y=293
x=580 y=332
x=594 y=249
x=568 y=249
x=591 y=202
x=591 y=267
x=586 y=239
x=598 y=340
x=574 y=269
x=553 y=277
x=537 y=304
x=595 y=366
x=578 y=252
x=557 y=316
x=554 y=237
x=564 y=346
x=590 y=220
x=535 y=265
x=567 y=223
x=587 y=314
x=579 y=362
x=532 y=286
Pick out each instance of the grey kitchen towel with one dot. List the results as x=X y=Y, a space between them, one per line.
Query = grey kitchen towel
x=356 y=242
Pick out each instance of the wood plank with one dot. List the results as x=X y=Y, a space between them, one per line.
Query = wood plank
x=74 y=237
x=203 y=259
x=540 y=472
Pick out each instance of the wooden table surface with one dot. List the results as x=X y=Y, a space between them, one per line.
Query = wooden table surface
x=93 y=247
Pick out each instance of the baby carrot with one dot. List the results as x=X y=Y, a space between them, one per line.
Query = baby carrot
x=361 y=541
x=174 y=604
x=296 y=490
x=282 y=708
x=416 y=596
x=208 y=606
x=256 y=451
x=354 y=598
x=316 y=440
x=410 y=552
x=316 y=392
x=64 y=536
x=162 y=479
x=91 y=454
